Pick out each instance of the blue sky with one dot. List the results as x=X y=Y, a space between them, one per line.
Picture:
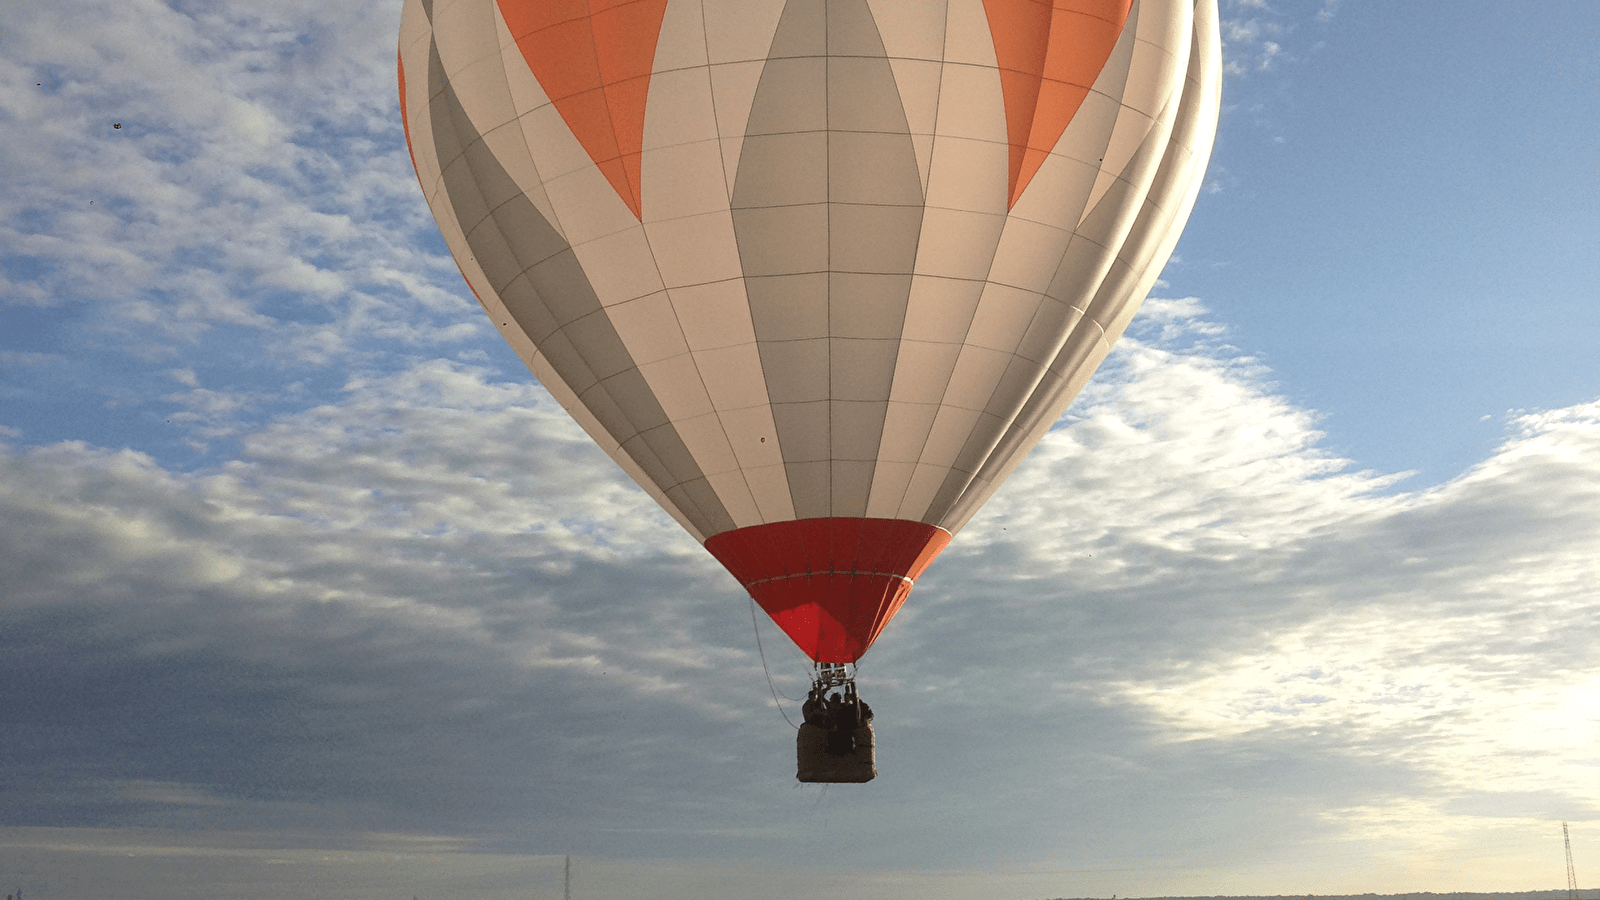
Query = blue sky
x=307 y=588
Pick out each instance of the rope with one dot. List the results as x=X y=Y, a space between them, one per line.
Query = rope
x=756 y=625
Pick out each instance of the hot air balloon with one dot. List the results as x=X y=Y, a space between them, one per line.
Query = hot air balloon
x=817 y=274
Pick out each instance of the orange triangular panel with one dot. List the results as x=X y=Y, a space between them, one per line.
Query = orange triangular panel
x=1050 y=52
x=593 y=58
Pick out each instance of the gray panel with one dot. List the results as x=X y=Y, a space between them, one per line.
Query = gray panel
x=427 y=10
x=802 y=31
x=528 y=309
x=788 y=308
x=803 y=430
x=870 y=225
x=489 y=248
x=778 y=240
x=810 y=485
x=873 y=238
x=796 y=371
x=852 y=31
x=561 y=281
x=860 y=369
x=602 y=348
x=801 y=85
x=592 y=342
x=597 y=400
x=633 y=395
x=860 y=91
x=571 y=366
x=851 y=483
x=494 y=183
x=793 y=168
x=856 y=428
x=873 y=168
x=867 y=305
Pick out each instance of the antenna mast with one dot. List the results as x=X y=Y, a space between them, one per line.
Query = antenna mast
x=1572 y=878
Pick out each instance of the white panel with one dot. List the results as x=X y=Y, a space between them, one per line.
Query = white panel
x=1052 y=322
x=925 y=482
x=1029 y=253
x=951 y=428
x=734 y=492
x=696 y=250
x=1167 y=24
x=1090 y=129
x=905 y=431
x=648 y=327
x=770 y=486
x=923 y=371
x=676 y=385
x=744 y=28
x=465 y=33
x=889 y=483
x=588 y=205
x=679 y=110
x=1003 y=316
x=620 y=266
x=1059 y=192
x=922 y=145
x=967 y=37
x=482 y=91
x=1154 y=77
x=414 y=29
x=911 y=29
x=957 y=244
x=685 y=180
x=733 y=376
x=918 y=81
x=682 y=43
x=733 y=89
x=714 y=315
x=971 y=104
x=555 y=151
x=941 y=309
x=969 y=174
x=753 y=436
x=977 y=372
x=708 y=444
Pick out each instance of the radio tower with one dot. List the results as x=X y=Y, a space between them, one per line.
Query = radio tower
x=1572 y=878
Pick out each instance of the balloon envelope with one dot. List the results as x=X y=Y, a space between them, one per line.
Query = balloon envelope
x=816 y=273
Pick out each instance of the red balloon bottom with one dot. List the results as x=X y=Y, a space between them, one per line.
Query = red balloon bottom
x=830 y=584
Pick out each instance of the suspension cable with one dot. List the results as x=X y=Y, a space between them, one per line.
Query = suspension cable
x=756 y=625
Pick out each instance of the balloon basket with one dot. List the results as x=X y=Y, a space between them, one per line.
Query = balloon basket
x=836 y=742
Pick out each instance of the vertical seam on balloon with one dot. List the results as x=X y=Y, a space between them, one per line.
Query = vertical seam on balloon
x=933 y=149
x=949 y=378
x=722 y=159
x=827 y=230
x=911 y=277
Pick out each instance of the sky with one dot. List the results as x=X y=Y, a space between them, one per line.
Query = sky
x=308 y=589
